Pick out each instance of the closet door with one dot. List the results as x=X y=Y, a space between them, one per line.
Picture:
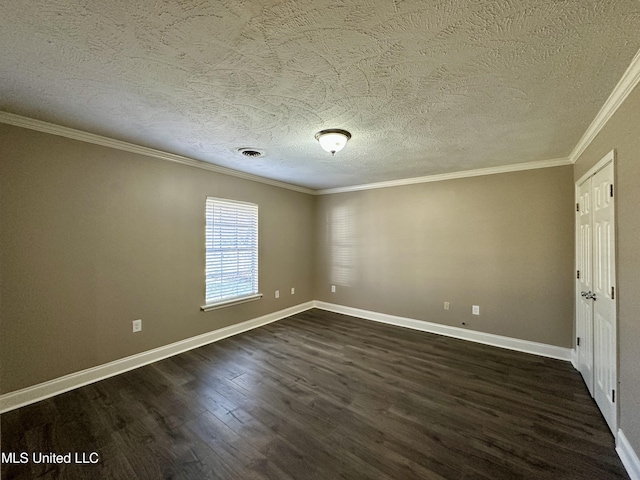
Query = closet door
x=596 y=317
x=584 y=304
x=604 y=304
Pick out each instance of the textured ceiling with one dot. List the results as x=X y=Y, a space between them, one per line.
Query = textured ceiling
x=425 y=87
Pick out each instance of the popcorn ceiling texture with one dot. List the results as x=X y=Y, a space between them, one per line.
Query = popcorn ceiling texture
x=424 y=87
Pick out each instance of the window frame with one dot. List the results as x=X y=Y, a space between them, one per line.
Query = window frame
x=249 y=224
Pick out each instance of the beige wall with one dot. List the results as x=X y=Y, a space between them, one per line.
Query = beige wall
x=622 y=133
x=92 y=238
x=503 y=242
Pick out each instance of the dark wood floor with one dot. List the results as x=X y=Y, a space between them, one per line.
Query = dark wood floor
x=326 y=396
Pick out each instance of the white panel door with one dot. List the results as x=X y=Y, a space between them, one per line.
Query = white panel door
x=596 y=318
x=604 y=304
x=584 y=289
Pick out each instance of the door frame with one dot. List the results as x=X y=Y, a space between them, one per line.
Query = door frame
x=610 y=157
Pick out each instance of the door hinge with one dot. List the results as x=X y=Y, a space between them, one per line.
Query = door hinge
x=578 y=275
x=577 y=207
x=613 y=396
x=578 y=342
x=611 y=190
x=613 y=293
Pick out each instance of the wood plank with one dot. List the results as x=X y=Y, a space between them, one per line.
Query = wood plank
x=323 y=395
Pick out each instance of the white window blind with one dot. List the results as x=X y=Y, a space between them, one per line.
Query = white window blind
x=231 y=251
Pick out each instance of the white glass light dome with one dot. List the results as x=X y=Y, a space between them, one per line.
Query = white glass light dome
x=333 y=140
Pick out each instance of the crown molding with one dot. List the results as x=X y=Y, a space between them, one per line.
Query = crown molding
x=517 y=167
x=625 y=86
x=39 y=125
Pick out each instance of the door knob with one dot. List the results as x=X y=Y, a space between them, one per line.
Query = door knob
x=584 y=294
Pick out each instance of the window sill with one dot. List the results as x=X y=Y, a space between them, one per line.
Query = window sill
x=227 y=303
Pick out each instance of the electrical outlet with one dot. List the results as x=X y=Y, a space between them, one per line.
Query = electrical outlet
x=293 y=291
x=333 y=289
x=277 y=293
x=446 y=305
x=137 y=325
x=475 y=310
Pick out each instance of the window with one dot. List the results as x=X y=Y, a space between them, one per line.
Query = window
x=231 y=270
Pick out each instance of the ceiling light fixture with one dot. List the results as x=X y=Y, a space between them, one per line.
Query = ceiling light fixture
x=333 y=140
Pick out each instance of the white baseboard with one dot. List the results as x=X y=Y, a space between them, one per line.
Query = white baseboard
x=41 y=391
x=574 y=358
x=29 y=395
x=541 y=349
x=628 y=456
